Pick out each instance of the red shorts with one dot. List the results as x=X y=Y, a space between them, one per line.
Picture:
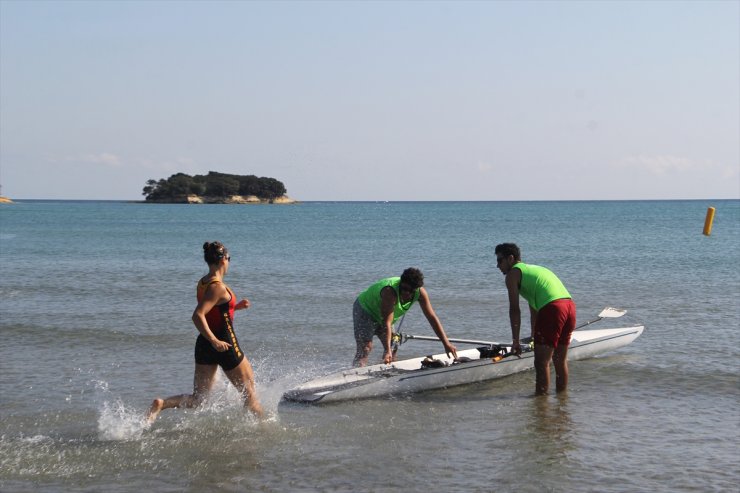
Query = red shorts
x=555 y=323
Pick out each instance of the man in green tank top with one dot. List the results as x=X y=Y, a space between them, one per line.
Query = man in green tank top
x=552 y=314
x=378 y=307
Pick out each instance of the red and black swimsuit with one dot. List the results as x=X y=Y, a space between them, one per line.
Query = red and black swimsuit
x=220 y=321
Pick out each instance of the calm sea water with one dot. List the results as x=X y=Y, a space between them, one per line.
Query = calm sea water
x=95 y=305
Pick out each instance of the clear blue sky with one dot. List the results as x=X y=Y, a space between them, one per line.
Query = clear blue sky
x=373 y=100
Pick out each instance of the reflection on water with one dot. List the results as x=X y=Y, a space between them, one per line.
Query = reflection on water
x=550 y=422
x=549 y=432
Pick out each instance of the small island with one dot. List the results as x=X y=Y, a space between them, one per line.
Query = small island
x=5 y=200
x=216 y=188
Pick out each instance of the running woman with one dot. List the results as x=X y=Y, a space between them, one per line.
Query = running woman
x=216 y=344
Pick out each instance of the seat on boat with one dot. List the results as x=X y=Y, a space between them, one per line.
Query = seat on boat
x=430 y=362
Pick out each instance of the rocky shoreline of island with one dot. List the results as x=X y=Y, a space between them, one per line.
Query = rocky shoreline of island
x=226 y=199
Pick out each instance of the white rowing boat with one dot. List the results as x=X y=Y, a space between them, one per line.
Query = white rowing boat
x=440 y=371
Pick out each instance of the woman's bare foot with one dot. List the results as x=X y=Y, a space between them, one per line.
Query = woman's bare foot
x=256 y=408
x=154 y=410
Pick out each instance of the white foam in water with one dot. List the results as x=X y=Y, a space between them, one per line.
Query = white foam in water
x=118 y=423
x=35 y=439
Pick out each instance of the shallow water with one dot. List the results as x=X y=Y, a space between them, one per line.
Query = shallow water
x=95 y=305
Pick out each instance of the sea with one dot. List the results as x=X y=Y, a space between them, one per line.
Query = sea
x=96 y=299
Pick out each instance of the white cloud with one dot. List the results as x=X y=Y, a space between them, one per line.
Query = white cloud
x=665 y=164
x=730 y=172
x=103 y=159
x=484 y=167
x=108 y=160
x=175 y=165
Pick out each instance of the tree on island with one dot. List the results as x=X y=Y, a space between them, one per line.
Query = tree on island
x=213 y=184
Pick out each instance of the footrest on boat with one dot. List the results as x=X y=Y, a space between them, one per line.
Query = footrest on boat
x=491 y=352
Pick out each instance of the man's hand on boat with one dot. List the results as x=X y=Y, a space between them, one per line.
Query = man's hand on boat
x=516 y=348
x=388 y=357
x=450 y=349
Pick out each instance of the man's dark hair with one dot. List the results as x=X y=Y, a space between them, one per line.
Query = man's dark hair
x=506 y=249
x=413 y=277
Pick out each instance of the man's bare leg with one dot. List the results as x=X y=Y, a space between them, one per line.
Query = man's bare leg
x=542 y=357
x=363 y=352
x=560 y=360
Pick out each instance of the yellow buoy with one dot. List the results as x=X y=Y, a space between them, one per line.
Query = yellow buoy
x=708 y=221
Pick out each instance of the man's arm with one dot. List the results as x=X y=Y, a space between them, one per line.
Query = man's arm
x=387 y=302
x=513 y=278
x=426 y=307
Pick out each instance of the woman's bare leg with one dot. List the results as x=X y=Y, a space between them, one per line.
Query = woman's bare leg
x=203 y=380
x=243 y=379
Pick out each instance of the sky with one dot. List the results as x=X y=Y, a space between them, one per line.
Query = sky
x=377 y=100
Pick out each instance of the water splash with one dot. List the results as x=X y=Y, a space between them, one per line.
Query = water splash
x=118 y=423
x=121 y=422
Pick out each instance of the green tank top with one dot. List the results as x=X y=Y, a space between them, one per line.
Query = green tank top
x=539 y=285
x=370 y=299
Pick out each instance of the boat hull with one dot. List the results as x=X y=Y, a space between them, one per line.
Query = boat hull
x=408 y=376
